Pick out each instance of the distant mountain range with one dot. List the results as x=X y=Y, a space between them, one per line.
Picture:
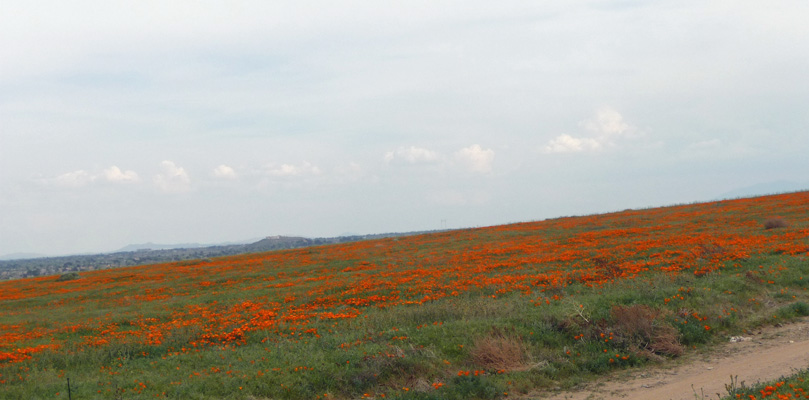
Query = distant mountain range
x=128 y=248
x=151 y=253
x=156 y=246
x=20 y=256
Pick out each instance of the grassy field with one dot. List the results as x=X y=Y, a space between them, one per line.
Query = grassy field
x=485 y=313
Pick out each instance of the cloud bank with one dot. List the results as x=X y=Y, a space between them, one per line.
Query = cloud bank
x=606 y=130
x=411 y=155
x=81 y=178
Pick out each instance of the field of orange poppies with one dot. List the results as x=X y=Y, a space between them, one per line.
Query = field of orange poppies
x=492 y=312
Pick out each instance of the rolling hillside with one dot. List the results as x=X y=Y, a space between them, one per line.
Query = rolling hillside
x=495 y=312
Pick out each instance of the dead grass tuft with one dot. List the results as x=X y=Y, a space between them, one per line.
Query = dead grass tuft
x=753 y=277
x=501 y=349
x=776 y=222
x=709 y=251
x=644 y=328
x=608 y=268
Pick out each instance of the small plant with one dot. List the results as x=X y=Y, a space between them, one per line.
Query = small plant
x=476 y=387
x=774 y=223
x=119 y=393
x=734 y=388
x=68 y=277
x=799 y=309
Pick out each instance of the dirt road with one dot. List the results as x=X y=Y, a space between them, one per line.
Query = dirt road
x=761 y=355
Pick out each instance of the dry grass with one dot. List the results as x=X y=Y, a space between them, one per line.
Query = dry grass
x=609 y=268
x=774 y=223
x=753 y=277
x=501 y=349
x=644 y=328
x=710 y=250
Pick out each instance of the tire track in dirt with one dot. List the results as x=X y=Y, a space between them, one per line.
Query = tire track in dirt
x=768 y=354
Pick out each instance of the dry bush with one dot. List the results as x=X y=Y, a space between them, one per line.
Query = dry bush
x=774 y=223
x=753 y=277
x=644 y=328
x=709 y=250
x=609 y=268
x=501 y=350
x=666 y=341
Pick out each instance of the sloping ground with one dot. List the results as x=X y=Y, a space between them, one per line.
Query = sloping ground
x=761 y=356
x=417 y=317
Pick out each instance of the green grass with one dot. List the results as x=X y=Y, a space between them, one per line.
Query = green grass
x=417 y=346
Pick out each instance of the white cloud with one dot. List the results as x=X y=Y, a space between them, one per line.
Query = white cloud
x=74 y=179
x=609 y=123
x=295 y=170
x=115 y=175
x=568 y=144
x=412 y=155
x=82 y=177
x=607 y=126
x=224 y=172
x=172 y=178
x=476 y=158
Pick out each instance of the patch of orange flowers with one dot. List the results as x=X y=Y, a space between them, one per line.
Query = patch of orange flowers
x=779 y=390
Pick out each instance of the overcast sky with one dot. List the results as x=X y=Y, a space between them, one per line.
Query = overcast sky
x=199 y=121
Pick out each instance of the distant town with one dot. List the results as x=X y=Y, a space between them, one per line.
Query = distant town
x=44 y=266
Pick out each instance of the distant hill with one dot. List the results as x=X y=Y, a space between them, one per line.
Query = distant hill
x=20 y=256
x=151 y=253
x=157 y=246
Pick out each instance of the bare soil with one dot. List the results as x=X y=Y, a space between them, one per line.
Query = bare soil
x=759 y=356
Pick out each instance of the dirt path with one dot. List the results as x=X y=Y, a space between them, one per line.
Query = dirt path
x=760 y=356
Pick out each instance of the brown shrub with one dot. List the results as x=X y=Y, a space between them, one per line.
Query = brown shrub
x=642 y=327
x=709 y=250
x=753 y=277
x=609 y=268
x=500 y=349
x=774 y=223
x=666 y=341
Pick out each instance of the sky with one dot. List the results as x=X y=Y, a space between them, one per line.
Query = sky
x=212 y=121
